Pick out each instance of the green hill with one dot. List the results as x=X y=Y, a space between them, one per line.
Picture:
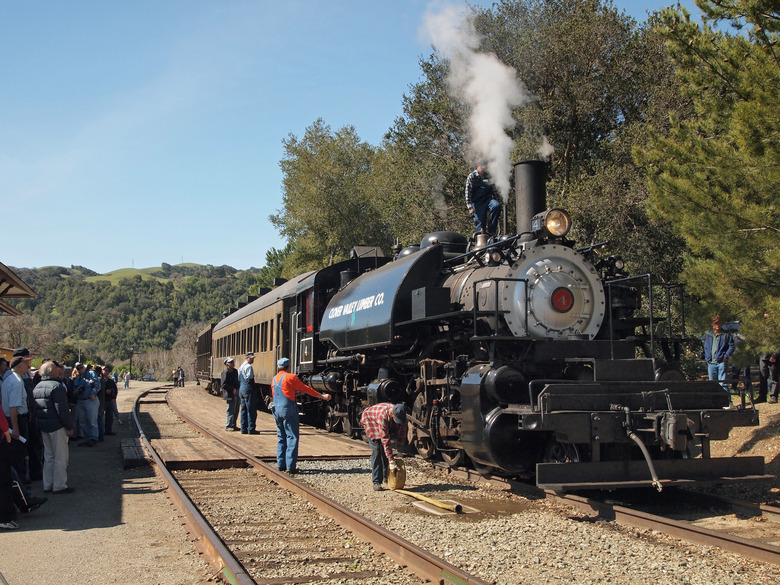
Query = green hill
x=143 y=308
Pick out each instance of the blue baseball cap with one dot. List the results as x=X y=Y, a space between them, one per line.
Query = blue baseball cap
x=283 y=363
x=399 y=413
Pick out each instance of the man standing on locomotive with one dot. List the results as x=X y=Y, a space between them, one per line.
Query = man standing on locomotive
x=229 y=384
x=285 y=386
x=382 y=422
x=718 y=348
x=482 y=200
x=248 y=395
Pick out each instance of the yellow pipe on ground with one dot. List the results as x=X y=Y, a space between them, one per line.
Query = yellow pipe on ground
x=457 y=508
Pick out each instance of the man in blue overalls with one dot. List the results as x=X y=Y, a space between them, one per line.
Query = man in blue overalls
x=247 y=395
x=285 y=386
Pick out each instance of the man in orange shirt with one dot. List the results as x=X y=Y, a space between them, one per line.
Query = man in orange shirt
x=285 y=386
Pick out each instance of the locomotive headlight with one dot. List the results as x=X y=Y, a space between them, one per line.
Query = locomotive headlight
x=556 y=222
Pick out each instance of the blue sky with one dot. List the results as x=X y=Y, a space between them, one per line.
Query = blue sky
x=136 y=133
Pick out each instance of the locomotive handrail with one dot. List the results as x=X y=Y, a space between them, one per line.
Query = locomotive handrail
x=609 y=284
x=668 y=287
x=498 y=244
x=544 y=382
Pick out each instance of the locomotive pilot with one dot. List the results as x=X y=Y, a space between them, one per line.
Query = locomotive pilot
x=285 y=385
x=382 y=422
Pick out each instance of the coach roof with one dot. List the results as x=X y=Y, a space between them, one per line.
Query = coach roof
x=285 y=290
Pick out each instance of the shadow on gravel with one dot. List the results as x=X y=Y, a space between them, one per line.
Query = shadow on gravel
x=100 y=482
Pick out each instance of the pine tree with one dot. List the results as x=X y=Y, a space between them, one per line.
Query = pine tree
x=716 y=176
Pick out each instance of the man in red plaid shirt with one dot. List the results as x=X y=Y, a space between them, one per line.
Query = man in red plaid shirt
x=381 y=423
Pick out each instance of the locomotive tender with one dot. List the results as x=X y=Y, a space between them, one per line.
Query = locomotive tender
x=517 y=355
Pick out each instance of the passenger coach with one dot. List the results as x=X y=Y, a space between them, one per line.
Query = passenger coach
x=283 y=322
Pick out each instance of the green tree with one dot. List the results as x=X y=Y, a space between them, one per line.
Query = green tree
x=597 y=77
x=579 y=58
x=715 y=176
x=274 y=267
x=326 y=206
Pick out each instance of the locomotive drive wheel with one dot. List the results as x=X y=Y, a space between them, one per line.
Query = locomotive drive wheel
x=351 y=429
x=332 y=420
x=346 y=426
x=483 y=469
x=557 y=452
x=424 y=445
x=453 y=457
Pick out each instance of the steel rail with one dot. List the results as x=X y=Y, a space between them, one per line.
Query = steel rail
x=206 y=538
x=680 y=529
x=684 y=530
x=403 y=552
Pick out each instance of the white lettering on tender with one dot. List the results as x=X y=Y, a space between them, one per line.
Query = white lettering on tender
x=359 y=305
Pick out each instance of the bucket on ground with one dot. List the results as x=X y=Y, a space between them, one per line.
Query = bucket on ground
x=397 y=479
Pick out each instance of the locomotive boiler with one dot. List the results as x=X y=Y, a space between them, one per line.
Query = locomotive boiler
x=519 y=355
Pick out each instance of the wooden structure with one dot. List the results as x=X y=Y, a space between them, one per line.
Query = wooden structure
x=12 y=287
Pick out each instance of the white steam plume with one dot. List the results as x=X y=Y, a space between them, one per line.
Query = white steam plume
x=545 y=149
x=488 y=86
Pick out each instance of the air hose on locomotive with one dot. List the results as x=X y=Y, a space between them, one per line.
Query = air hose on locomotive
x=631 y=435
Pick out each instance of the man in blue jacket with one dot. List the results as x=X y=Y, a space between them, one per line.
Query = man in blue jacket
x=718 y=348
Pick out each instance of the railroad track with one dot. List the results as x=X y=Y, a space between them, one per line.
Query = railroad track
x=684 y=530
x=235 y=516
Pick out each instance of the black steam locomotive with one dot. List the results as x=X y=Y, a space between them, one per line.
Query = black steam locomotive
x=517 y=355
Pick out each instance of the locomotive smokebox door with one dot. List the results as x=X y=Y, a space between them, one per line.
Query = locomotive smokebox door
x=429 y=301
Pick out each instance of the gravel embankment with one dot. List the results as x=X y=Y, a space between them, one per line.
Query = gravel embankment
x=522 y=541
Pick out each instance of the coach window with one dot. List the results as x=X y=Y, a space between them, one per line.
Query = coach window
x=257 y=338
x=249 y=339
x=270 y=335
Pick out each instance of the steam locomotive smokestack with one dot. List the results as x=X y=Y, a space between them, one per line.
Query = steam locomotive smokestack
x=530 y=193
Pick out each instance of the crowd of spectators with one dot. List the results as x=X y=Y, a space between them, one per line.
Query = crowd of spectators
x=46 y=411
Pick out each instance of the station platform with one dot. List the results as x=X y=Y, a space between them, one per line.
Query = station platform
x=118 y=526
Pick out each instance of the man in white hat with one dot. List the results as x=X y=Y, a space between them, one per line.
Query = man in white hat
x=248 y=395
x=16 y=407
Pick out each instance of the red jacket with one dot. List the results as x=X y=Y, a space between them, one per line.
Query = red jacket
x=3 y=422
x=292 y=384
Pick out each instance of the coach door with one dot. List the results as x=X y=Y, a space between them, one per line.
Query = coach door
x=294 y=337
x=306 y=347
